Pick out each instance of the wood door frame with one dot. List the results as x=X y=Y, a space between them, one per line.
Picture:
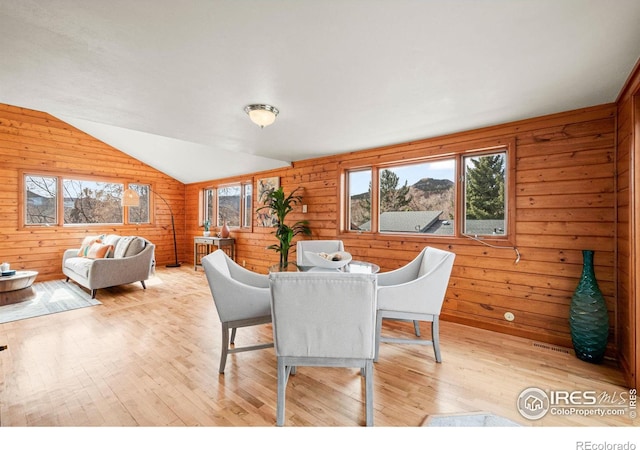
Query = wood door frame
x=634 y=218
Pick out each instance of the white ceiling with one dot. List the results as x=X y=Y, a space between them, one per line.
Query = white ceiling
x=167 y=81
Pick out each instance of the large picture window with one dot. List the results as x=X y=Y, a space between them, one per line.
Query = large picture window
x=463 y=194
x=417 y=198
x=92 y=202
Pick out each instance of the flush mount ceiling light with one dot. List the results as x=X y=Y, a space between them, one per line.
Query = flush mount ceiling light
x=262 y=115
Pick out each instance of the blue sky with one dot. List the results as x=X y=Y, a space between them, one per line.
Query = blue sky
x=439 y=170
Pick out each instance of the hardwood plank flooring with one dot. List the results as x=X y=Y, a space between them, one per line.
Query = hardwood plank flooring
x=149 y=358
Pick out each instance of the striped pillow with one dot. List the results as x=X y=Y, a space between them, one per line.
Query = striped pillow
x=87 y=242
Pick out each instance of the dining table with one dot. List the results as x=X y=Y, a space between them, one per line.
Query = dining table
x=354 y=266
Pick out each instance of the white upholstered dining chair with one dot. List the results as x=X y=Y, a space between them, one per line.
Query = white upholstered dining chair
x=415 y=292
x=317 y=246
x=323 y=319
x=242 y=299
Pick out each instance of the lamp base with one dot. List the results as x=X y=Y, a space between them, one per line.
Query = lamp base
x=173 y=265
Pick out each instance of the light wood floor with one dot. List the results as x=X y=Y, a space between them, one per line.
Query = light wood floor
x=150 y=358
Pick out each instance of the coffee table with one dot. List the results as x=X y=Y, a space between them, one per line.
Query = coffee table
x=13 y=288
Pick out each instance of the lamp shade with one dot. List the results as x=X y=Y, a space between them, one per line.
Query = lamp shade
x=262 y=115
x=130 y=198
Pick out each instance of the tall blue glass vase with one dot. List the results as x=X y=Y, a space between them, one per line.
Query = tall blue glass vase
x=588 y=317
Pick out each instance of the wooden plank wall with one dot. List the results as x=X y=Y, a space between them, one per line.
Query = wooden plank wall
x=36 y=141
x=565 y=203
x=628 y=219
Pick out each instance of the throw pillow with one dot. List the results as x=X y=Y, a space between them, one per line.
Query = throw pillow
x=111 y=239
x=122 y=246
x=98 y=250
x=86 y=244
x=135 y=247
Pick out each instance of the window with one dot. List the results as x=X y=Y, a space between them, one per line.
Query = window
x=140 y=214
x=92 y=202
x=41 y=200
x=484 y=189
x=230 y=203
x=209 y=206
x=247 y=195
x=57 y=200
x=359 y=195
x=464 y=193
x=417 y=198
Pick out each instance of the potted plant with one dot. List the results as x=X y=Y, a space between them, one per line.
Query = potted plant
x=280 y=206
x=206 y=224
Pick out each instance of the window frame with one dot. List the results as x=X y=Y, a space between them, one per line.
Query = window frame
x=24 y=200
x=458 y=152
x=60 y=178
x=391 y=165
x=219 y=222
x=204 y=209
x=347 y=196
x=88 y=180
x=150 y=204
x=246 y=220
x=463 y=221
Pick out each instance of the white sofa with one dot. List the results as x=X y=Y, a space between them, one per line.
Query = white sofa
x=109 y=260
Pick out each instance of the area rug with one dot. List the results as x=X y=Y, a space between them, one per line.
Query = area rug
x=470 y=419
x=48 y=297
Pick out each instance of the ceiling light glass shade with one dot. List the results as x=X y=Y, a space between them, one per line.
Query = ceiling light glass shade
x=262 y=115
x=130 y=198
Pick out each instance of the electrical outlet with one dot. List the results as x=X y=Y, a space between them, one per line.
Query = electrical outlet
x=244 y=263
x=509 y=316
x=304 y=209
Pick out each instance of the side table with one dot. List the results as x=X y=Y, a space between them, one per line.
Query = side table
x=202 y=246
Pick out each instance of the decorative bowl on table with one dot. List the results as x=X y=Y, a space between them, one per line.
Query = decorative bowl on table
x=335 y=260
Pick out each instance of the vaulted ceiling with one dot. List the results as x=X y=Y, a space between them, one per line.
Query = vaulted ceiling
x=167 y=81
